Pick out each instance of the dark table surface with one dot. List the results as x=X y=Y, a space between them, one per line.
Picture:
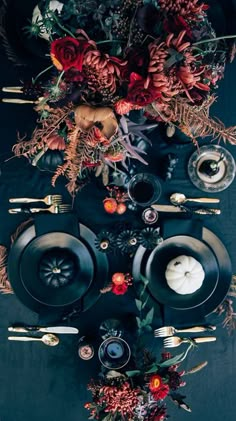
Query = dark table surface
x=42 y=383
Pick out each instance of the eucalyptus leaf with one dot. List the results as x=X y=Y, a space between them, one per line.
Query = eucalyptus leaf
x=139 y=323
x=132 y=373
x=138 y=304
x=144 y=280
x=148 y=328
x=154 y=368
x=145 y=303
x=149 y=317
x=177 y=359
x=107 y=418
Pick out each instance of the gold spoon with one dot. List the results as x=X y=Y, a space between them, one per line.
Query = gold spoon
x=48 y=339
x=180 y=199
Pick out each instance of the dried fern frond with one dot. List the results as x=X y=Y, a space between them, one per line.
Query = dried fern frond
x=199 y=122
x=41 y=133
x=5 y=286
x=20 y=229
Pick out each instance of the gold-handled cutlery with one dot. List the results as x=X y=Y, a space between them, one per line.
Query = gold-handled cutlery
x=48 y=339
x=170 y=330
x=50 y=199
x=48 y=329
x=180 y=199
x=175 y=341
x=63 y=208
x=178 y=209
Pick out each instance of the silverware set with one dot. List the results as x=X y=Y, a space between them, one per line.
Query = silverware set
x=171 y=341
x=53 y=201
x=178 y=201
x=49 y=338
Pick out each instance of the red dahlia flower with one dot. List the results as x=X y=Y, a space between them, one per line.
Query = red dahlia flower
x=158 y=388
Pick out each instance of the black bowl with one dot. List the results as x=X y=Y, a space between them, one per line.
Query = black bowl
x=45 y=249
x=114 y=353
x=170 y=249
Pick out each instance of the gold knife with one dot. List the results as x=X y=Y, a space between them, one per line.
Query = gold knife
x=177 y=209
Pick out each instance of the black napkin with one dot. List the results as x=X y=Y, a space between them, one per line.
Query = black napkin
x=192 y=227
x=63 y=222
x=182 y=318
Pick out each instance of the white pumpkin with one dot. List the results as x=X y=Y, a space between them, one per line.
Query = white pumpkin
x=184 y=274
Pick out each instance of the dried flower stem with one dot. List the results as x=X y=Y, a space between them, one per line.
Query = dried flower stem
x=196 y=368
x=204 y=41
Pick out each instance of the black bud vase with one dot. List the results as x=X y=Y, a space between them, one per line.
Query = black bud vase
x=210 y=167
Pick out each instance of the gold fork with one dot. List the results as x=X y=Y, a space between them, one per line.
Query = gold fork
x=63 y=208
x=50 y=199
x=176 y=341
x=170 y=330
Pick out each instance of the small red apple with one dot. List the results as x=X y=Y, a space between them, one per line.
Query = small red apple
x=121 y=208
x=110 y=205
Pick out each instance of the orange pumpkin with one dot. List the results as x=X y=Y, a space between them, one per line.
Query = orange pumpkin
x=56 y=142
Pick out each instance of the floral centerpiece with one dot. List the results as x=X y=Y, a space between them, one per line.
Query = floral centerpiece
x=120 y=397
x=141 y=392
x=161 y=57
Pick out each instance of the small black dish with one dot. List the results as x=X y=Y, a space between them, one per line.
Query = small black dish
x=41 y=253
x=170 y=249
x=114 y=353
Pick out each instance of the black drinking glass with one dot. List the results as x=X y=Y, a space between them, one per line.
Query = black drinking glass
x=144 y=189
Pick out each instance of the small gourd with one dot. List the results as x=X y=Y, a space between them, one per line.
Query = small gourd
x=184 y=275
x=50 y=160
x=56 y=270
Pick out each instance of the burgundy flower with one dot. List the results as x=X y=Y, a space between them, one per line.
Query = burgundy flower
x=176 y=24
x=138 y=94
x=161 y=393
x=137 y=62
x=73 y=75
x=119 y=289
x=68 y=52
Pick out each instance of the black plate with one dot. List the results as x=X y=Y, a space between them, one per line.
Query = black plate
x=222 y=288
x=22 y=48
x=30 y=274
x=170 y=249
x=114 y=358
x=93 y=293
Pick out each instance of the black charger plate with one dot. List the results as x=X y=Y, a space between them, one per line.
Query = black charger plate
x=100 y=263
x=30 y=274
x=170 y=249
x=222 y=288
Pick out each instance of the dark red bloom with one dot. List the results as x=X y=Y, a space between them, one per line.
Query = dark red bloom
x=68 y=52
x=177 y=24
x=138 y=94
x=137 y=62
x=161 y=393
x=119 y=289
x=73 y=75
